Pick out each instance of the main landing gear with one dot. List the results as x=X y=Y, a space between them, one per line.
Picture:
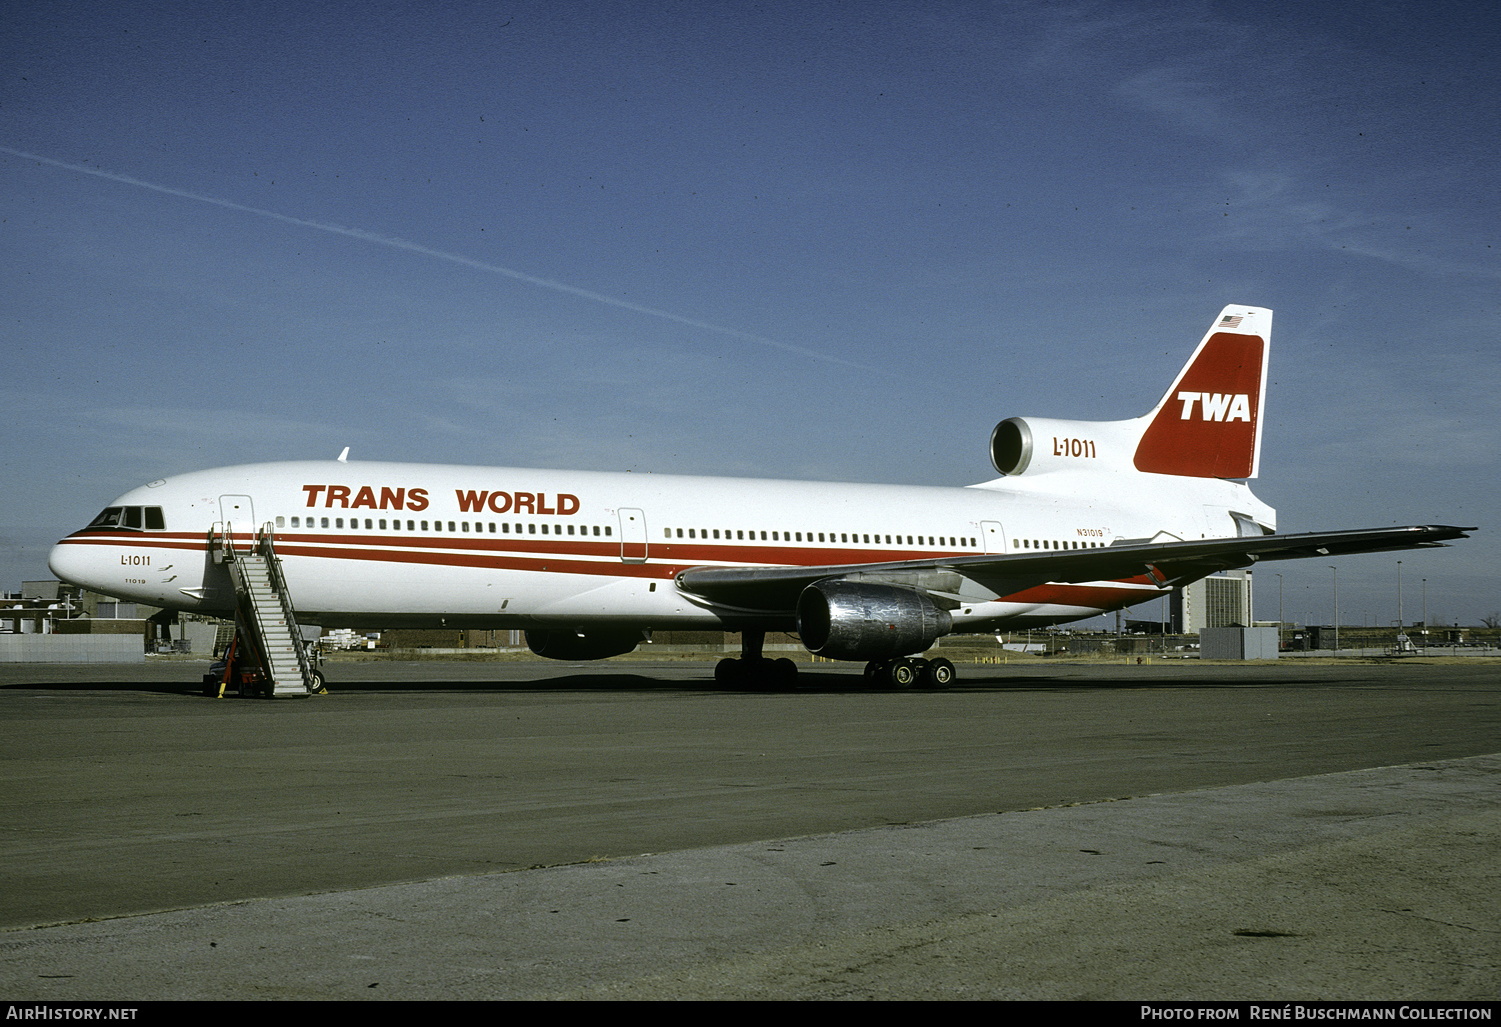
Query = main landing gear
x=770 y=674
x=752 y=670
x=909 y=672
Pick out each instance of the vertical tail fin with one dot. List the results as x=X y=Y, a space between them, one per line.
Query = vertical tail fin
x=1208 y=425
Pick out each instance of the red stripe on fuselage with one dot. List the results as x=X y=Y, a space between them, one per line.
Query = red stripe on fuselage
x=526 y=555
x=664 y=552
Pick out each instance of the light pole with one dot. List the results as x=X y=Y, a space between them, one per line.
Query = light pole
x=1336 y=608
x=1425 y=615
x=1399 y=596
x=1279 y=613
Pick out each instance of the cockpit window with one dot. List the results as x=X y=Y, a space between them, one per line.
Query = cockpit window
x=136 y=517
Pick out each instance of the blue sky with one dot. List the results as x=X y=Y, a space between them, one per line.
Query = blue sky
x=811 y=240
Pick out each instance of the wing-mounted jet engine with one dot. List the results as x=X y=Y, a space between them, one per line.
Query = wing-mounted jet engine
x=857 y=620
x=878 y=623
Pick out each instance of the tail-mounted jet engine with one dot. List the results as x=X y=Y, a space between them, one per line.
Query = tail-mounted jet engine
x=594 y=644
x=848 y=620
x=1020 y=445
x=1011 y=446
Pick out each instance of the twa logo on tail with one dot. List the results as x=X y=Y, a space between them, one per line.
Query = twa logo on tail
x=1216 y=405
x=1224 y=384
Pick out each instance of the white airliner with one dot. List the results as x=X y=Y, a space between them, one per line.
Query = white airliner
x=1087 y=517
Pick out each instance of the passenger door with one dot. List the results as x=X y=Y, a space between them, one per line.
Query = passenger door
x=632 y=535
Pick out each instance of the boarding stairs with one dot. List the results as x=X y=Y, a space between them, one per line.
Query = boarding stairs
x=264 y=619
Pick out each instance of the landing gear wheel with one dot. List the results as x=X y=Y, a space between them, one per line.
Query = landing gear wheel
x=727 y=672
x=938 y=673
x=317 y=687
x=765 y=675
x=902 y=674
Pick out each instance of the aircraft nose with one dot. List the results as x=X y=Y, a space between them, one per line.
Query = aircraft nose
x=73 y=564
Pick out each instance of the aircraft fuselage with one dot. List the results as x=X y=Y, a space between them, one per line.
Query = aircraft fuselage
x=406 y=545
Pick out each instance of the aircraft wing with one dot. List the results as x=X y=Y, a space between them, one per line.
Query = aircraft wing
x=1165 y=563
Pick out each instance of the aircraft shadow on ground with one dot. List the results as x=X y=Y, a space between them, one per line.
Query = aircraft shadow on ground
x=808 y=683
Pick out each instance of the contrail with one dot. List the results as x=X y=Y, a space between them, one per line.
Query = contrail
x=452 y=258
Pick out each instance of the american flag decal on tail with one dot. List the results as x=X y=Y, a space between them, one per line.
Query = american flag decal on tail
x=1229 y=321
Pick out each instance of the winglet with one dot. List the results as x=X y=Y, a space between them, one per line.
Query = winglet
x=344 y=456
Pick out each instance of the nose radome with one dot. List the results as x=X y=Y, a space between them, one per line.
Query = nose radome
x=73 y=564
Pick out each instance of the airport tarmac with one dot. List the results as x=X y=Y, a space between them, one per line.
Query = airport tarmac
x=492 y=830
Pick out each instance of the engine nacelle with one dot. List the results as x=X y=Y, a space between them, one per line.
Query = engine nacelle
x=1035 y=444
x=848 y=620
x=595 y=644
